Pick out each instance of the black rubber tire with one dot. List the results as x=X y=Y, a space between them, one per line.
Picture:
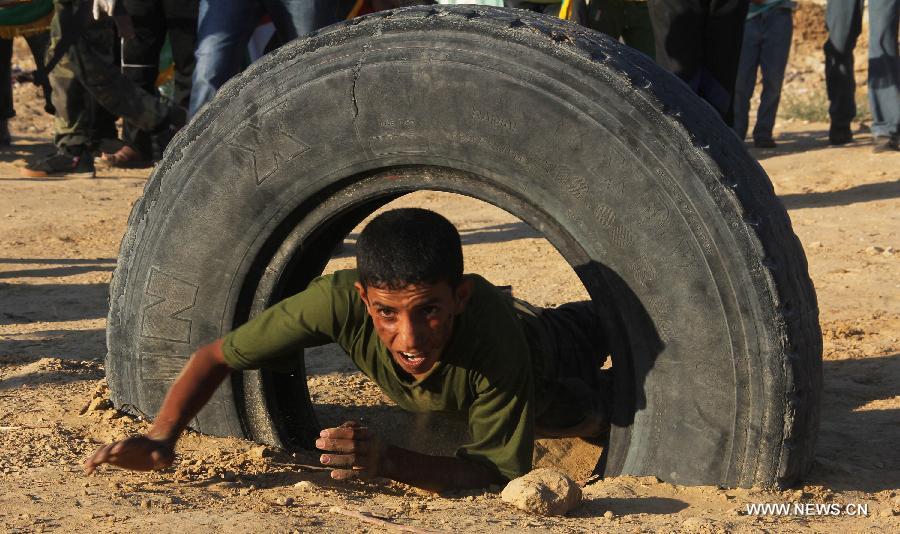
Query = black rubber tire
x=672 y=227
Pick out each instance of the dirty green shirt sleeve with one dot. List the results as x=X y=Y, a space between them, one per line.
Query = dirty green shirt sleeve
x=275 y=337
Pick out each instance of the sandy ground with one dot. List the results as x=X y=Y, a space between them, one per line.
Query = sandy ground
x=58 y=246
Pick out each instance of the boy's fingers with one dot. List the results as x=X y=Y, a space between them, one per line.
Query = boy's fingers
x=100 y=456
x=116 y=448
x=342 y=445
x=345 y=474
x=339 y=460
x=161 y=459
x=347 y=432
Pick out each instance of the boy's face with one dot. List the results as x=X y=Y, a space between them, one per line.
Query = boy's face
x=415 y=323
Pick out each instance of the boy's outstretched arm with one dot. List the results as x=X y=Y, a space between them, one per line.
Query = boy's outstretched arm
x=354 y=451
x=189 y=393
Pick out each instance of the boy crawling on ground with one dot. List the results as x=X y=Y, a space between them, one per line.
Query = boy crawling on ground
x=433 y=339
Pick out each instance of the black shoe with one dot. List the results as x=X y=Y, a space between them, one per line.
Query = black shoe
x=764 y=142
x=62 y=164
x=5 y=137
x=839 y=135
x=884 y=143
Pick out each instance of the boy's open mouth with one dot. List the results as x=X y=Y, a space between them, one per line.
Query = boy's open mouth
x=413 y=357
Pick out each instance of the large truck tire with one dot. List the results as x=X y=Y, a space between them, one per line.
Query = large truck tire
x=673 y=228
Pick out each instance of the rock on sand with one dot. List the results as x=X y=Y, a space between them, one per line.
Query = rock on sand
x=543 y=491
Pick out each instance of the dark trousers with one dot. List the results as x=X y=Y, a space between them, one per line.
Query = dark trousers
x=38 y=44
x=87 y=83
x=570 y=385
x=153 y=20
x=767 y=44
x=625 y=19
x=844 y=21
x=700 y=42
x=225 y=26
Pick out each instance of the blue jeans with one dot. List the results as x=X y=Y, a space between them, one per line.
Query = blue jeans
x=844 y=21
x=224 y=28
x=767 y=42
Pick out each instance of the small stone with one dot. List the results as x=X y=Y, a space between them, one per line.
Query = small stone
x=260 y=452
x=873 y=250
x=285 y=501
x=888 y=252
x=145 y=503
x=816 y=244
x=228 y=476
x=305 y=485
x=887 y=512
x=543 y=491
x=608 y=514
x=245 y=491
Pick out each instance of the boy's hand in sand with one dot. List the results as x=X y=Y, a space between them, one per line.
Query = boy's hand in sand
x=140 y=453
x=353 y=450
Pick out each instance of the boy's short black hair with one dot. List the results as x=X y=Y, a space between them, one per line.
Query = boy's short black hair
x=409 y=246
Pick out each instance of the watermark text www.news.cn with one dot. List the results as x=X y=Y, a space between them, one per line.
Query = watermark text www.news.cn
x=807 y=509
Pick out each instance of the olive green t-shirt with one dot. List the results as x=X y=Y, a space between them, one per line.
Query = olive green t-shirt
x=485 y=373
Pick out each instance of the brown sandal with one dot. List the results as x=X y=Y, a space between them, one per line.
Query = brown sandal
x=126 y=158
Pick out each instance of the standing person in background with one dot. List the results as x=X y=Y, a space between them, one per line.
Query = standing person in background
x=767 y=44
x=153 y=21
x=625 y=19
x=32 y=22
x=86 y=80
x=224 y=29
x=843 y=19
x=700 y=42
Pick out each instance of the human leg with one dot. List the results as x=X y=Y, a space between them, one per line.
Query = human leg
x=140 y=64
x=746 y=74
x=94 y=60
x=723 y=35
x=778 y=27
x=222 y=33
x=607 y=16
x=580 y=392
x=843 y=19
x=38 y=43
x=7 y=111
x=638 y=32
x=73 y=121
x=884 y=71
x=181 y=23
x=296 y=18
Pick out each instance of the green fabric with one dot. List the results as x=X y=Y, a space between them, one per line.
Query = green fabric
x=625 y=19
x=25 y=13
x=88 y=83
x=487 y=372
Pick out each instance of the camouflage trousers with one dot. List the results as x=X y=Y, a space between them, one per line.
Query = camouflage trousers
x=87 y=82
